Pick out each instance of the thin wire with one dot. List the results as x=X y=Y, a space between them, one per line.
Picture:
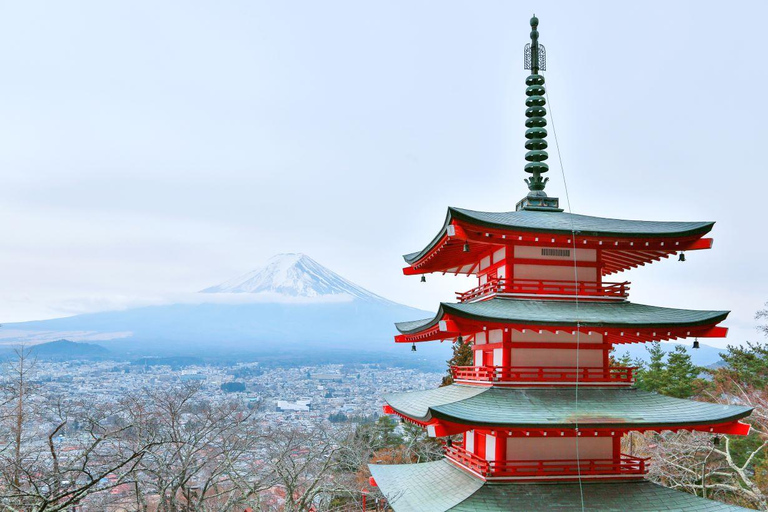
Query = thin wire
x=576 y=286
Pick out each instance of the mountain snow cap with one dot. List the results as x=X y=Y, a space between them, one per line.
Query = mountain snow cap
x=294 y=275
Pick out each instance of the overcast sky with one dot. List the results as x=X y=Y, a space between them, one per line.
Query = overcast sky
x=157 y=148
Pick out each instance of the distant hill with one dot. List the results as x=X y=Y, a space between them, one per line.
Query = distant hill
x=291 y=309
x=65 y=349
x=174 y=362
x=705 y=356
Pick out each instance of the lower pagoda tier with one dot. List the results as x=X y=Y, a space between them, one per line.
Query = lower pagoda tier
x=457 y=408
x=440 y=486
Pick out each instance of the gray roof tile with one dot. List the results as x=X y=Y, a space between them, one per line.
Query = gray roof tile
x=569 y=313
x=558 y=408
x=440 y=486
x=564 y=223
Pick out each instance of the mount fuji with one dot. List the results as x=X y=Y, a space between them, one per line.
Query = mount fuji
x=293 y=308
x=294 y=275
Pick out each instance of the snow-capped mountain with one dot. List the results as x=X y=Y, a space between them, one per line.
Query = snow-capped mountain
x=291 y=309
x=293 y=275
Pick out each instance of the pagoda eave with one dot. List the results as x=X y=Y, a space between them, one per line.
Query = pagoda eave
x=618 y=322
x=456 y=408
x=439 y=427
x=621 y=250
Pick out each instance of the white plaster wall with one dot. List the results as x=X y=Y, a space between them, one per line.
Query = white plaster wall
x=552 y=448
x=563 y=272
x=469 y=441
x=495 y=336
x=555 y=357
x=490 y=447
x=497 y=356
x=480 y=338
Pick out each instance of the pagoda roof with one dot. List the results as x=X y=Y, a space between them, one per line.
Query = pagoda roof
x=558 y=408
x=678 y=236
x=594 y=314
x=440 y=486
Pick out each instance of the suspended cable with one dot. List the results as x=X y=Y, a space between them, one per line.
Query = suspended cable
x=576 y=287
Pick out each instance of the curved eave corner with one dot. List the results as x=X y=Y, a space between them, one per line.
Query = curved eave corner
x=414 y=257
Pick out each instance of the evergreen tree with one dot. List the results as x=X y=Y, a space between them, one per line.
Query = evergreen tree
x=624 y=361
x=462 y=356
x=681 y=374
x=650 y=376
x=672 y=375
x=747 y=365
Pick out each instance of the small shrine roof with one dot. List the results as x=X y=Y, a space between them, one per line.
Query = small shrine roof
x=568 y=313
x=564 y=223
x=555 y=408
x=440 y=486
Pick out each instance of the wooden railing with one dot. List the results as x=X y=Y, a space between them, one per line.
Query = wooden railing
x=539 y=287
x=491 y=287
x=623 y=465
x=552 y=374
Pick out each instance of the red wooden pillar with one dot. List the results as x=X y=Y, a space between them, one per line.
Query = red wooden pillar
x=501 y=445
x=617 y=447
x=506 y=348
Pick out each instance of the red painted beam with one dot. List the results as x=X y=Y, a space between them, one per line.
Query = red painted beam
x=714 y=332
x=701 y=243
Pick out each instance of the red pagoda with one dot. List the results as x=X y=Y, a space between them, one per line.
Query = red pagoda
x=541 y=413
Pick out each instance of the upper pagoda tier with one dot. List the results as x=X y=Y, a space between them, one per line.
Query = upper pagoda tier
x=467 y=236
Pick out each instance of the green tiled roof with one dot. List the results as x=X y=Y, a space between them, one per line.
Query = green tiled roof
x=568 y=313
x=558 y=408
x=440 y=487
x=564 y=223
x=427 y=487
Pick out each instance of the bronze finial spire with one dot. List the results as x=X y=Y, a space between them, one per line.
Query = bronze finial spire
x=536 y=134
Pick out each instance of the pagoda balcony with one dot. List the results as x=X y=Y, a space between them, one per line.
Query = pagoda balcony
x=622 y=467
x=535 y=288
x=540 y=375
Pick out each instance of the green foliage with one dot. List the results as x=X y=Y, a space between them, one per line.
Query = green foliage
x=380 y=434
x=338 y=417
x=672 y=375
x=625 y=360
x=233 y=387
x=747 y=365
x=462 y=356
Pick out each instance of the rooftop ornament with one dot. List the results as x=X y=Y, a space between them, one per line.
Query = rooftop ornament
x=536 y=133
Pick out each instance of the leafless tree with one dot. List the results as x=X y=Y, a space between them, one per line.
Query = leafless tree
x=37 y=473
x=202 y=455
x=305 y=463
x=708 y=465
x=763 y=315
